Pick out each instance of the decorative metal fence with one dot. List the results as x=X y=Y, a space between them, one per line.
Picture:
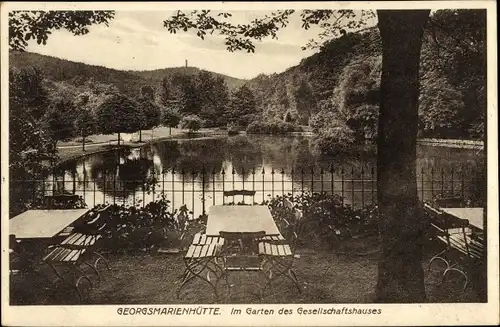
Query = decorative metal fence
x=200 y=189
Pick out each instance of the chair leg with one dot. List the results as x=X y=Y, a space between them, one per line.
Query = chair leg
x=438 y=257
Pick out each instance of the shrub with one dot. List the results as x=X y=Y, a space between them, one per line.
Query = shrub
x=192 y=122
x=272 y=126
x=325 y=218
x=334 y=140
x=233 y=129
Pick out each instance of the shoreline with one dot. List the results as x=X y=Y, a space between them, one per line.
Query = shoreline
x=74 y=151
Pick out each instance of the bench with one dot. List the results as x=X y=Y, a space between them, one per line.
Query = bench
x=453 y=233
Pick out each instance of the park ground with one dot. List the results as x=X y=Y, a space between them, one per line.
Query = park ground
x=345 y=275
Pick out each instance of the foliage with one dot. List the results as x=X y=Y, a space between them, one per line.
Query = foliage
x=242 y=108
x=170 y=117
x=29 y=141
x=272 y=126
x=325 y=219
x=151 y=111
x=156 y=225
x=60 y=119
x=119 y=114
x=441 y=111
x=333 y=140
x=214 y=95
x=192 y=123
x=38 y=25
x=85 y=123
x=232 y=129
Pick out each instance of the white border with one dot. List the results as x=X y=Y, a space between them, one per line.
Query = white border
x=392 y=314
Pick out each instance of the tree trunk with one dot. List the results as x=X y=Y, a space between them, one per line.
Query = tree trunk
x=169 y=130
x=118 y=139
x=140 y=135
x=400 y=273
x=83 y=143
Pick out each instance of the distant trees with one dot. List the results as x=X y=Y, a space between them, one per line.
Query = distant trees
x=170 y=118
x=85 y=125
x=191 y=122
x=242 y=107
x=60 y=119
x=151 y=112
x=119 y=114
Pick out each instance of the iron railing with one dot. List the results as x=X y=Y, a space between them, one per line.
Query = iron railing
x=200 y=189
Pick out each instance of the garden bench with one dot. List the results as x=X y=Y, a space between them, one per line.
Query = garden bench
x=452 y=232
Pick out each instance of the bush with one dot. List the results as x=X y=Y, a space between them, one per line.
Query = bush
x=132 y=229
x=233 y=129
x=272 y=126
x=192 y=122
x=332 y=141
x=325 y=218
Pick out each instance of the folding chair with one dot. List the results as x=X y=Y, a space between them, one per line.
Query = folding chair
x=279 y=255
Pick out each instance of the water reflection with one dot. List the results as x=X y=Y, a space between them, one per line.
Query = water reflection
x=188 y=170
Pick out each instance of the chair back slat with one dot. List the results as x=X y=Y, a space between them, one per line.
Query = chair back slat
x=242 y=193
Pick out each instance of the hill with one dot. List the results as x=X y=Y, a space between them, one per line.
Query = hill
x=77 y=73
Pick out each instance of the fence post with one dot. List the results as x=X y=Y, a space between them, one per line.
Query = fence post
x=213 y=186
x=192 y=189
x=243 y=181
x=223 y=186
x=432 y=184
x=332 y=184
x=422 y=183
x=442 y=182
x=352 y=188
x=272 y=182
x=263 y=184
x=342 y=179
x=302 y=180
x=84 y=182
x=362 y=187
x=253 y=184
x=372 y=181
x=203 y=190
x=104 y=188
x=182 y=173
x=282 y=181
x=73 y=172
x=321 y=178
x=312 y=180
x=173 y=187
x=114 y=188
x=452 y=188
x=232 y=173
x=292 y=173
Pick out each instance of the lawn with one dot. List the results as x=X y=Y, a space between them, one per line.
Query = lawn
x=345 y=275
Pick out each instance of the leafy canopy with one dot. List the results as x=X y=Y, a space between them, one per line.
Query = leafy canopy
x=38 y=25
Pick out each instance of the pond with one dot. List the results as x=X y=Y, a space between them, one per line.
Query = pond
x=196 y=171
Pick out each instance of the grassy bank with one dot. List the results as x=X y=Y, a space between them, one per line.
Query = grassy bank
x=99 y=143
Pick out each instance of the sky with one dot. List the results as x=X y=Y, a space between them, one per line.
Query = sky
x=137 y=40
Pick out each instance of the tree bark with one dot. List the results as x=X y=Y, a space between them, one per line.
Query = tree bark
x=118 y=139
x=400 y=273
x=140 y=135
x=83 y=143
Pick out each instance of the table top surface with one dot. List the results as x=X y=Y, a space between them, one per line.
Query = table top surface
x=240 y=218
x=473 y=215
x=34 y=224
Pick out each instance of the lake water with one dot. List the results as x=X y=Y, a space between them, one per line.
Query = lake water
x=196 y=171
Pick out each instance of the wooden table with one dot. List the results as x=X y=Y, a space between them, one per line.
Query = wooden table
x=473 y=215
x=240 y=218
x=43 y=224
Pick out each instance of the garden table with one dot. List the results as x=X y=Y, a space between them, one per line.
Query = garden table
x=473 y=215
x=43 y=224
x=240 y=218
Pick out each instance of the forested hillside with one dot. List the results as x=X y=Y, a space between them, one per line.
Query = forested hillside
x=340 y=83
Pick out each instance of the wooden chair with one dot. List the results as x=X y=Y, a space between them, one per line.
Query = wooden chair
x=201 y=261
x=242 y=193
x=453 y=233
x=79 y=248
x=279 y=255
x=240 y=251
x=450 y=202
